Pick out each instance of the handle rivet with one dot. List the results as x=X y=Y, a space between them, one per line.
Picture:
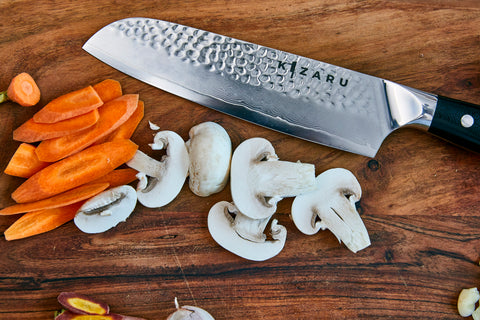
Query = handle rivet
x=467 y=121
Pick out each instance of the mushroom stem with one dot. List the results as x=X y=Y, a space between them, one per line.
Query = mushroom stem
x=248 y=228
x=281 y=179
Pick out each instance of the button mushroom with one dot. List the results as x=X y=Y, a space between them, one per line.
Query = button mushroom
x=189 y=312
x=332 y=206
x=210 y=150
x=258 y=180
x=242 y=235
x=107 y=209
x=166 y=176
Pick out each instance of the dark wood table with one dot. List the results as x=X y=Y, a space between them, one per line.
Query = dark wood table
x=420 y=203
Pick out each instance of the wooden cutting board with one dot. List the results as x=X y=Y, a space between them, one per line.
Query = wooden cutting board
x=420 y=202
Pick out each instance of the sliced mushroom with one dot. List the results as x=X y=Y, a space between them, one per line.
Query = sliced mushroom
x=332 y=206
x=107 y=209
x=210 y=151
x=166 y=177
x=258 y=180
x=189 y=313
x=244 y=236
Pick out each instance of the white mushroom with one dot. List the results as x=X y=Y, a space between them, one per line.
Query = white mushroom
x=258 y=180
x=166 y=176
x=332 y=206
x=467 y=300
x=210 y=151
x=189 y=313
x=244 y=236
x=107 y=209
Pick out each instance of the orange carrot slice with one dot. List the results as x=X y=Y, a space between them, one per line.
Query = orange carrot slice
x=77 y=194
x=32 y=131
x=23 y=90
x=108 y=89
x=126 y=130
x=24 y=162
x=73 y=171
x=118 y=177
x=37 y=222
x=112 y=114
x=69 y=105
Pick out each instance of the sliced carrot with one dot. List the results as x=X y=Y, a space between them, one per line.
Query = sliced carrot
x=22 y=90
x=37 y=222
x=112 y=114
x=69 y=105
x=108 y=89
x=77 y=194
x=118 y=177
x=126 y=130
x=32 y=131
x=24 y=162
x=73 y=171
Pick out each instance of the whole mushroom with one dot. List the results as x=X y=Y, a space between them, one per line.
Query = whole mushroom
x=210 y=151
x=333 y=206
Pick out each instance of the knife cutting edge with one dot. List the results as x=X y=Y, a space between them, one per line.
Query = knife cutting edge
x=306 y=98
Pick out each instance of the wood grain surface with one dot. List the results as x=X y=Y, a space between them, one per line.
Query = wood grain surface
x=420 y=203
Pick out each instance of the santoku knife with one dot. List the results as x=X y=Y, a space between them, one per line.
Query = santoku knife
x=292 y=94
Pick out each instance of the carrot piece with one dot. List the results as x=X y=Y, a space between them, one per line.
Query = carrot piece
x=108 y=89
x=22 y=90
x=37 y=222
x=32 y=131
x=112 y=114
x=69 y=105
x=73 y=171
x=77 y=194
x=118 y=177
x=126 y=130
x=24 y=162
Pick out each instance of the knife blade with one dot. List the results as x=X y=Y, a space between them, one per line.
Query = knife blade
x=296 y=95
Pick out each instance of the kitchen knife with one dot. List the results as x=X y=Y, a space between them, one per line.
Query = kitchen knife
x=292 y=94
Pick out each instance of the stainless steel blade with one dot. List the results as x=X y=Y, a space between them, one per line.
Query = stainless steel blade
x=299 y=96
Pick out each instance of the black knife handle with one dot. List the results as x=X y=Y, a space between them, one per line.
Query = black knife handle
x=458 y=122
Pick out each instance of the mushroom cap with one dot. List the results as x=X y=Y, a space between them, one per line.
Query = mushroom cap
x=190 y=313
x=166 y=176
x=210 y=151
x=333 y=203
x=221 y=228
x=107 y=209
x=243 y=183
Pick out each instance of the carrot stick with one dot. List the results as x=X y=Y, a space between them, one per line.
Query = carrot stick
x=22 y=90
x=24 y=162
x=73 y=171
x=118 y=177
x=108 y=89
x=37 y=222
x=112 y=114
x=126 y=130
x=77 y=194
x=32 y=131
x=69 y=105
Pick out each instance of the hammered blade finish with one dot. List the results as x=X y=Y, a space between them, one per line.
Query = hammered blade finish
x=303 y=97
